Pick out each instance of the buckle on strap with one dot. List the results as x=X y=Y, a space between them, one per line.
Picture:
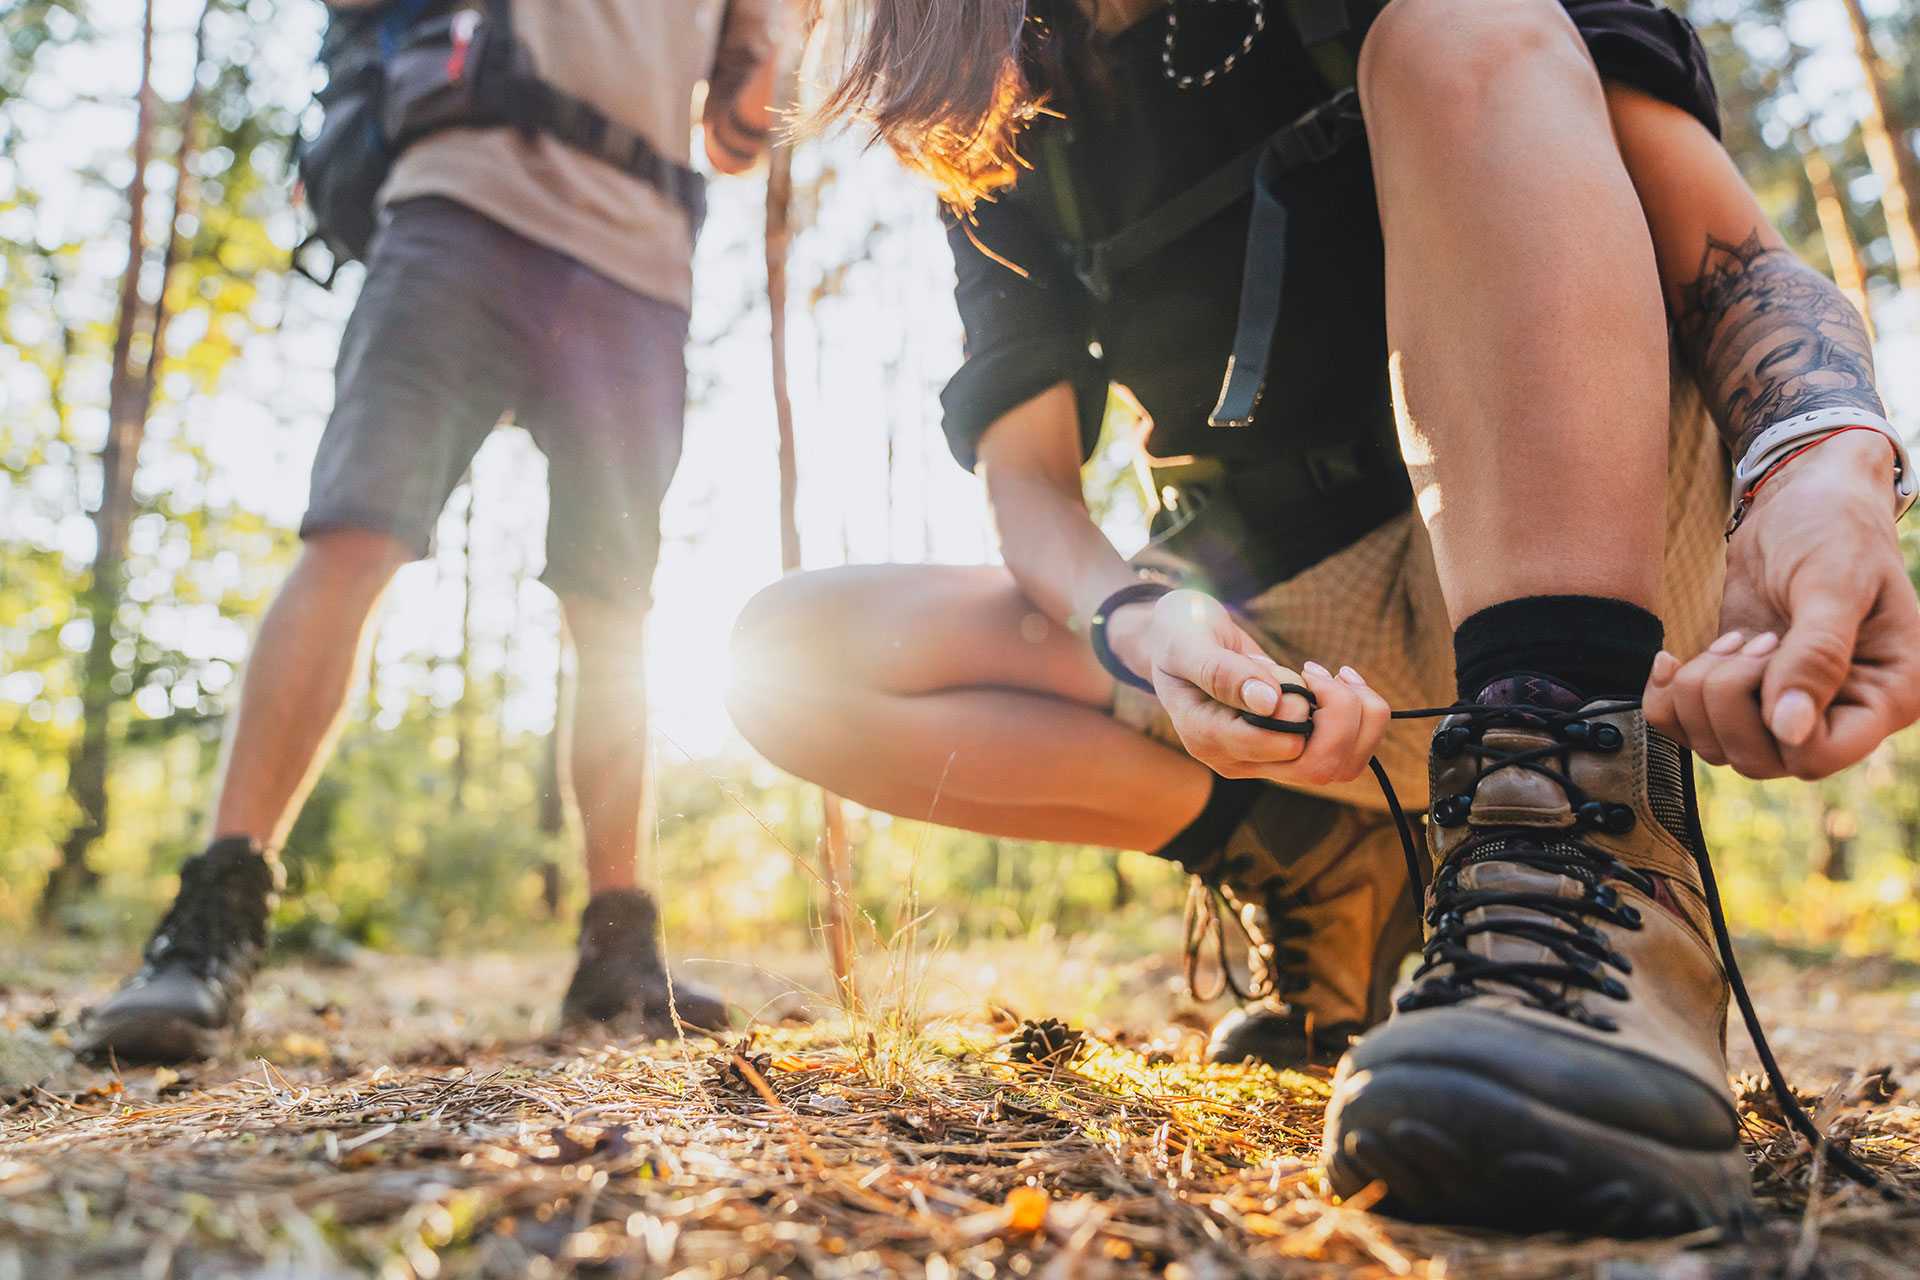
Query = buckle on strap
x=1090 y=268
x=1323 y=131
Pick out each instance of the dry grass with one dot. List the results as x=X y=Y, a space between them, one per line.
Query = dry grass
x=403 y=1143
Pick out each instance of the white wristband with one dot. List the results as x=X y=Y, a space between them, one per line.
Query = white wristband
x=1782 y=438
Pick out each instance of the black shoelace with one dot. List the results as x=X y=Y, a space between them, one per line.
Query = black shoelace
x=219 y=916
x=1582 y=956
x=1278 y=973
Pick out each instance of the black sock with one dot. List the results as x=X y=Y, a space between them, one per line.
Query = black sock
x=1227 y=804
x=1595 y=646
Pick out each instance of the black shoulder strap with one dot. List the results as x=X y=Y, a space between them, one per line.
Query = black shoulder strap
x=525 y=100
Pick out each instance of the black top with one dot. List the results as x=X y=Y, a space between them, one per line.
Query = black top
x=1166 y=331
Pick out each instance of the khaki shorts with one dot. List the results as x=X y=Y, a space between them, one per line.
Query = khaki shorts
x=1376 y=607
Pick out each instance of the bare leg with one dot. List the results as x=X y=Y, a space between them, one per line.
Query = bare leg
x=1528 y=334
x=941 y=693
x=607 y=762
x=312 y=645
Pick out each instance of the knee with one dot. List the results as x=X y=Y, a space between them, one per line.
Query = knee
x=356 y=562
x=782 y=643
x=1435 y=68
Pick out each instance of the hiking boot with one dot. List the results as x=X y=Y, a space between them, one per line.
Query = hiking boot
x=622 y=983
x=192 y=987
x=1320 y=890
x=1559 y=1060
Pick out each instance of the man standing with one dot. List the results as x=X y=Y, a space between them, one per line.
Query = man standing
x=512 y=274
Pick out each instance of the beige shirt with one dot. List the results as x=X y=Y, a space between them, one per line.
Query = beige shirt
x=637 y=60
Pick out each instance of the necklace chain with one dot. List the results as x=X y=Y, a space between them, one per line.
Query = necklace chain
x=1182 y=80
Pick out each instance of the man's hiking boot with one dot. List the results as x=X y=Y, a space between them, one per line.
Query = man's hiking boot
x=192 y=987
x=1320 y=890
x=622 y=983
x=1559 y=1060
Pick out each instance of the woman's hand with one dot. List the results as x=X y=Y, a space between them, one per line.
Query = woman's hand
x=1820 y=656
x=1206 y=671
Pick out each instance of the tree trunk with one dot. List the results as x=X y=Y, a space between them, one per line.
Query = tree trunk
x=1885 y=137
x=553 y=800
x=1842 y=253
x=127 y=402
x=836 y=872
x=463 y=709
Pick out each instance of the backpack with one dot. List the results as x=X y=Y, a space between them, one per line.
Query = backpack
x=405 y=69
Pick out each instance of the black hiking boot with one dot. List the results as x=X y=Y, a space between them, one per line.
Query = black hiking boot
x=1320 y=890
x=621 y=982
x=1559 y=1062
x=192 y=988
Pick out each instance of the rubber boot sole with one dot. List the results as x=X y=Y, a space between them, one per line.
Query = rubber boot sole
x=146 y=1037
x=1455 y=1148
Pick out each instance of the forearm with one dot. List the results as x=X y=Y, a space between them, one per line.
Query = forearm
x=739 y=118
x=1765 y=336
x=1053 y=548
x=1768 y=338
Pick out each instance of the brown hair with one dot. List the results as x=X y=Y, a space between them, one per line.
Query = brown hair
x=948 y=84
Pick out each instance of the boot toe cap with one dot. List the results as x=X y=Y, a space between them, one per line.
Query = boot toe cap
x=1581 y=1075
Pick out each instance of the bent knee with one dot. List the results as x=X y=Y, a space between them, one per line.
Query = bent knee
x=791 y=636
x=1431 y=66
x=354 y=556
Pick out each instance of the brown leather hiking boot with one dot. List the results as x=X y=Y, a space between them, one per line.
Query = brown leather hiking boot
x=191 y=990
x=1320 y=890
x=1559 y=1061
x=621 y=982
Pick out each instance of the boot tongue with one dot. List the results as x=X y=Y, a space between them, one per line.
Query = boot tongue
x=1519 y=796
x=1530 y=689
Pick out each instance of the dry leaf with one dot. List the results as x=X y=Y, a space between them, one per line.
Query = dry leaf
x=1026 y=1209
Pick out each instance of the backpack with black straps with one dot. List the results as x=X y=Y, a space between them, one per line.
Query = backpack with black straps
x=402 y=70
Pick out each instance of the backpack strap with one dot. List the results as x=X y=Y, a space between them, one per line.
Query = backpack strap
x=530 y=103
x=1314 y=136
x=1327 y=32
x=1264 y=269
x=1332 y=38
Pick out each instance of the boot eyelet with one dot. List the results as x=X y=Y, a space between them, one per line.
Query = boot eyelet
x=1628 y=916
x=1593 y=737
x=1613 y=987
x=1449 y=742
x=1451 y=811
x=1608 y=897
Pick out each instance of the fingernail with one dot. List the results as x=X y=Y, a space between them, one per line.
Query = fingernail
x=1353 y=677
x=1761 y=645
x=1727 y=643
x=1317 y=671
x=1664 y=665
x=1261 y=699
x=1793 y=717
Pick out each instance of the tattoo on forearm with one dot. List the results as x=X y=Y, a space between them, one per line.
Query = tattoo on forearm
x=1770 y=338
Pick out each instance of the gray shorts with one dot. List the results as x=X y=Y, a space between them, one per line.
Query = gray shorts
x=462 y=321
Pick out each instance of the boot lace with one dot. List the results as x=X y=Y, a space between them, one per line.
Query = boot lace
x=1274 y=967
x=219 y=916
x=1567 y=937
x=1562 y=926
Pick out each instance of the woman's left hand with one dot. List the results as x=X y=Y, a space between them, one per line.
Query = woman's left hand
x=1207 y=670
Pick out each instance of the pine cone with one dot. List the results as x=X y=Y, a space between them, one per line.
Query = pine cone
x=1048 y=1042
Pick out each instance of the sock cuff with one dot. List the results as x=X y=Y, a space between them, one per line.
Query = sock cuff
x=1596 y=645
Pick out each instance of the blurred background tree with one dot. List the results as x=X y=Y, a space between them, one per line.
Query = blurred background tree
x=163 y=377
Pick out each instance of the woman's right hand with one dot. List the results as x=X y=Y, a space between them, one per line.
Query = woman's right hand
x=1207 y=670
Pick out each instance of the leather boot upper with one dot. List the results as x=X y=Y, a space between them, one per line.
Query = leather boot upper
x=1569 y=949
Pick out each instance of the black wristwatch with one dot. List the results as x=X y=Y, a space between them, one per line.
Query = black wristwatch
x=1132 y=593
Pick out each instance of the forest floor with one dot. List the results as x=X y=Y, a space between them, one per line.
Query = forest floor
x=414 y=1119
